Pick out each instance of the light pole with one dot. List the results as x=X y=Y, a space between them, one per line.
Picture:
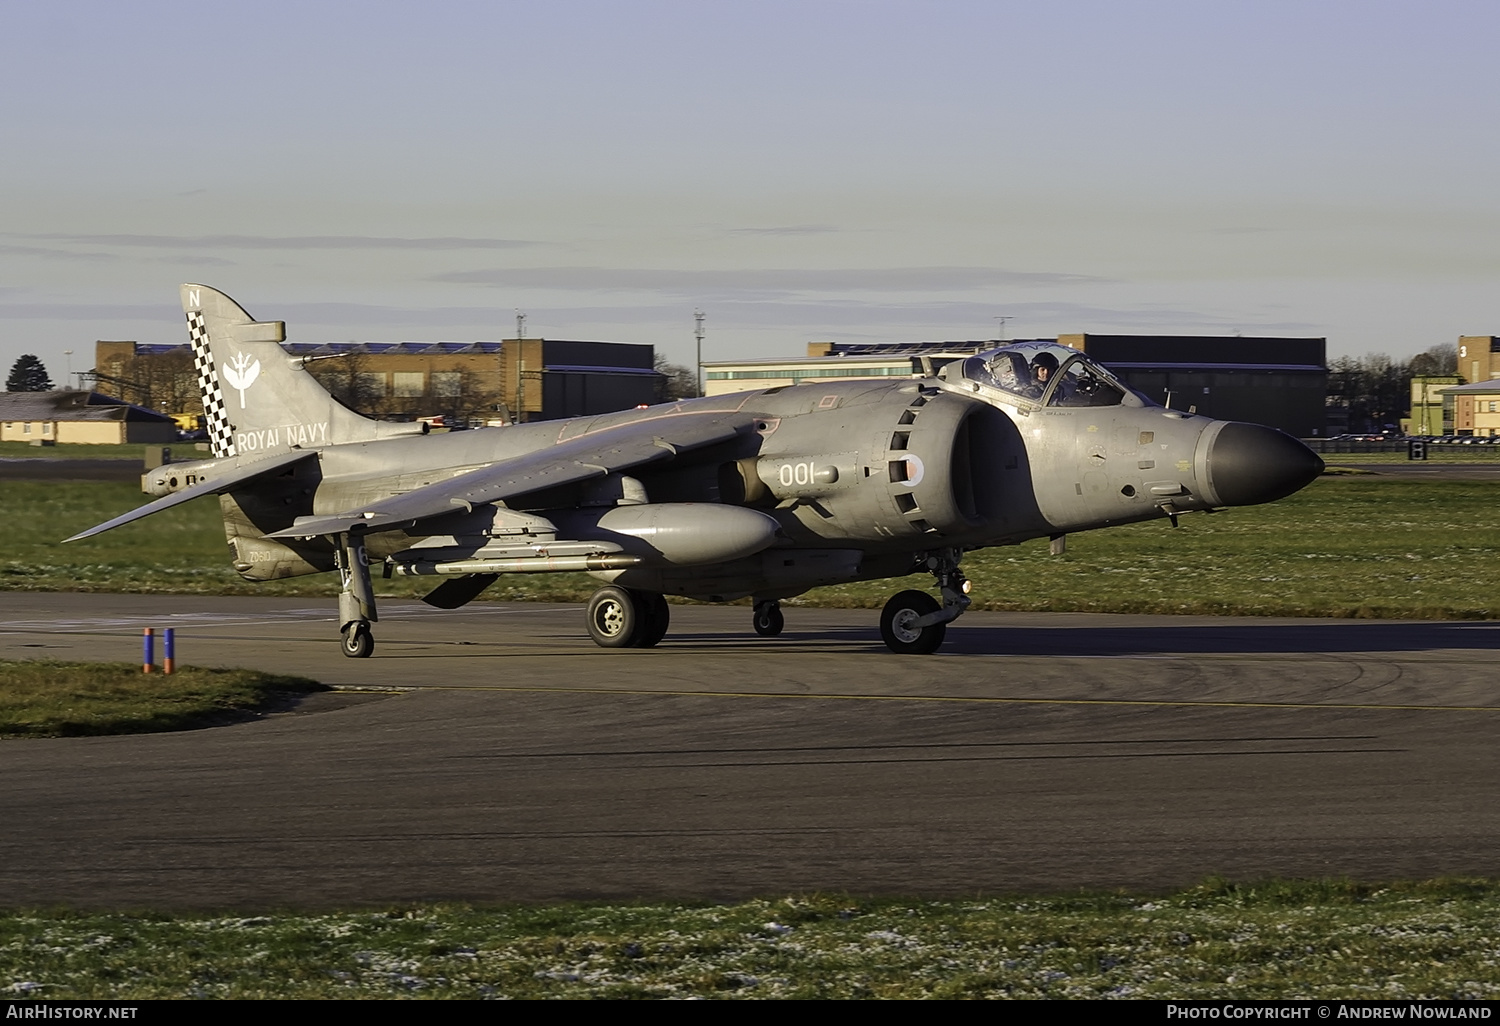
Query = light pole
x=698 y=316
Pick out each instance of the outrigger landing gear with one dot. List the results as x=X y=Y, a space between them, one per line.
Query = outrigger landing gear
x=768 y=620
x=912 y=622
x=358 y=641
x=357 y=599
x=625 y=618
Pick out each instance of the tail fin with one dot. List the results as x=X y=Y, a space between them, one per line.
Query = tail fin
x=272 y=403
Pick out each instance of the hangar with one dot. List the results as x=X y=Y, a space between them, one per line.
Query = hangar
x=72 y=417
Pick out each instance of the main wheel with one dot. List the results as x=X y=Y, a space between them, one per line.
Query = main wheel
x=614 y=617
x=769 y=620
x=896 y=624
x=657 y=617
x=358 y=641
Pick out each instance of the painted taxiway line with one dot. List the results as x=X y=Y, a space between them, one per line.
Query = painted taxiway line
x=180 y=621
x=960 y=699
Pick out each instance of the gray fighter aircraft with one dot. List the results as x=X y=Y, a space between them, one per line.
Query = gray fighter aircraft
x=763 y=494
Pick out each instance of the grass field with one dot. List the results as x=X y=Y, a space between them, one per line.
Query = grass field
x=1273 y=940
x=1468 y=454
x=1353 y=546
x=27 y=451
x=52 y=699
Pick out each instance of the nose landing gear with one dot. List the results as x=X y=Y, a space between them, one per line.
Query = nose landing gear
x=912 y=622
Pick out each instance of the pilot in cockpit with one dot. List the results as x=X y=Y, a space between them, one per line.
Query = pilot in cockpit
x=1043 y=367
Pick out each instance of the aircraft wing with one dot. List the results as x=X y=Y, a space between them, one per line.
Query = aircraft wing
x=215 y=481
x=576 y=459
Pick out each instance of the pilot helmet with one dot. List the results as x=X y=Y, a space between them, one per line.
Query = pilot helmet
x=1044 y=360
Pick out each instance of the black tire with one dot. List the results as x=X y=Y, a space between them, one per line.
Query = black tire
x=614 y=617
x=896 y=629
x=769 y=620
x=359 y=643
x=658 y=616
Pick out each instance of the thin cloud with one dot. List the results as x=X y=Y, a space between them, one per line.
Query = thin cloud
x=53 y=253
x=284 y=241
x=759 y=284
x=790 y=229
x=88 y=311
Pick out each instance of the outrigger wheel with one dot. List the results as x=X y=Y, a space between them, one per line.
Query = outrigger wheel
x=769 y=620
x=897 y=624
x=358 y=641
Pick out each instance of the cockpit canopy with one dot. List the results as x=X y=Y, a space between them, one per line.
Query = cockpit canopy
x=1046 y=374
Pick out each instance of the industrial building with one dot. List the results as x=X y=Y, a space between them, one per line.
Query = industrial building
x=1479 y=357
x=528 y=379
x=1432 y=405
x=1277 y=381
x=1476 y=408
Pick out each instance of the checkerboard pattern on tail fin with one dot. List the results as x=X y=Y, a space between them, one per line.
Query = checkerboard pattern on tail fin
x=219 y=434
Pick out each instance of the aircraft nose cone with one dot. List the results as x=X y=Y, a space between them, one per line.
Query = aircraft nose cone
x=1252 y=463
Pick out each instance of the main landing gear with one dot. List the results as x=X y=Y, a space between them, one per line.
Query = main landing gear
x=912 y=622
x=626 y=618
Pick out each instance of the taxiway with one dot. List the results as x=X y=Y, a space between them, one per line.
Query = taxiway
x=509 y=759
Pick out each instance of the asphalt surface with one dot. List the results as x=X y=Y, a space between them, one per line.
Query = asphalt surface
x=1424 y=471
x=1033 y=752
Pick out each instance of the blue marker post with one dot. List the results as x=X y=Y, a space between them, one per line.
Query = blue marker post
x=168 y=652
x=148 y=650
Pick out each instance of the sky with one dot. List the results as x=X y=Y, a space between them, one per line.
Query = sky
x=849 y=170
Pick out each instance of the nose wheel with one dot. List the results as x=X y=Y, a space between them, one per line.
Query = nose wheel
x=899 y=624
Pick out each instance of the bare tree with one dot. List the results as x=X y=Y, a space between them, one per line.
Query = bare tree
x=677 y=381
x=459 y=394
x=157 y=381
x=1439 y=359
x=348 y=379
x=1376 y=390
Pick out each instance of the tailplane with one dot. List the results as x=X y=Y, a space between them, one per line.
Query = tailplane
x=257 y=398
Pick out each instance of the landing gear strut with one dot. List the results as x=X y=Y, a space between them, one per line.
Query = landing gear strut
x=768 y=620
x=912 y=622
x=625 y=618
x=357 y=599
